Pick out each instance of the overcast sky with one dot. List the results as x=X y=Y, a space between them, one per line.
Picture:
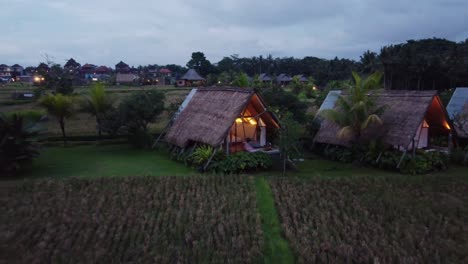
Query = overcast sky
x=162 y=32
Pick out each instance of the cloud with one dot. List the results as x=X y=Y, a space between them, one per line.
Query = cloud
x=144 y=31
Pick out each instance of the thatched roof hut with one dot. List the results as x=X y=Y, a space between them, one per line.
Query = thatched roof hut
x=302 y=78
x=264 y=77
x=458 y=105
x=283 y=78
x=215 y=116
x=191 y=79
x=192 y=75
x=411 y=118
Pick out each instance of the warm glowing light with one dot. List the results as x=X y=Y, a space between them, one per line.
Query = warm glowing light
x=95 y=79
x=37 y=79
x=447 y=126
x=42 y=78
x=252 y=121
x=314 y=88
x=238 y=120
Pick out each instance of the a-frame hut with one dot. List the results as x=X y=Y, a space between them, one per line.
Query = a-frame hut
x=458 y=113
x=410 y=120
x=229 y=118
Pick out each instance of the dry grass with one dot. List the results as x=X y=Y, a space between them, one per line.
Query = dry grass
x=131 y=220
x=374 y=219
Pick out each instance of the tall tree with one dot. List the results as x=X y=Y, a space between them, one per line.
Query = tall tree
x=356 y=110
x=97 y=102
x=61 y=107
x=200 y=64
x=288 y=139
x=242 y=80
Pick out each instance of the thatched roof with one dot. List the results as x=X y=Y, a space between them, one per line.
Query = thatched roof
x=283 y=78
x=192 y=75
x=405 y=112
x=264 y=77
x=210 y=113
x=459 y=105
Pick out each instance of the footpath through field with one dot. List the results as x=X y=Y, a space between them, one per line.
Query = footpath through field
x=276 y=248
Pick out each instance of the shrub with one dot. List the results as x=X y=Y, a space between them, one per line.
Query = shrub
x=17 y=144
x=243 y=162
x=201 y=155
x=425 y=162
x=340 y=154
x=376 y=155
x=459 y=156
x=29 y=115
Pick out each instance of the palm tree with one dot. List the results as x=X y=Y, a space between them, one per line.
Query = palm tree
x=61 y=107
x=356 y=110
x=97 y=103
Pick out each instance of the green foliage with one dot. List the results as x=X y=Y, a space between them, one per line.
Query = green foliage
x=200 y=64
x=285 y=101
x=377 y=155
x=296 y=85
x=140 y=109
x=339 y=85
x=459 y=156
x=113 y=122
x=276 y=248
x=243 y=162
x=288 y=138
x=134 y=114
x=17 y=142
x=340 y=154
x=356 y=111
x=61 y=107
x=58 y=79
x=242 y=80
x=201 y=155
x=435 y=64
x=97 y=103
x=28 y=115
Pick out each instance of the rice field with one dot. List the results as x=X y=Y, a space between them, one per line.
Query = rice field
x=375 y=220
x=133 y=220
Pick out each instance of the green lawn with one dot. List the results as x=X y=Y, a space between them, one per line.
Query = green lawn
x=103 y=161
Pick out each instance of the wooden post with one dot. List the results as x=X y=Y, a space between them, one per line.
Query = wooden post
x=209 y=160
x=227 y=144
x=401 y=159
x=378 y=158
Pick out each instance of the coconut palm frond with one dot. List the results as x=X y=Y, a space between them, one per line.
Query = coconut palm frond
x=332 y=115
x=343 y=104
x=373 y=81
x=372 y=119
x=380 y=110
x=345 y=132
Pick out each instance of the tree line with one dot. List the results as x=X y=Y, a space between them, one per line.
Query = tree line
x=426 y=64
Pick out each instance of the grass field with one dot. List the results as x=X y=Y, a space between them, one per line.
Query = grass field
x=104 y=161
x=83 y=124
x=326 y=211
